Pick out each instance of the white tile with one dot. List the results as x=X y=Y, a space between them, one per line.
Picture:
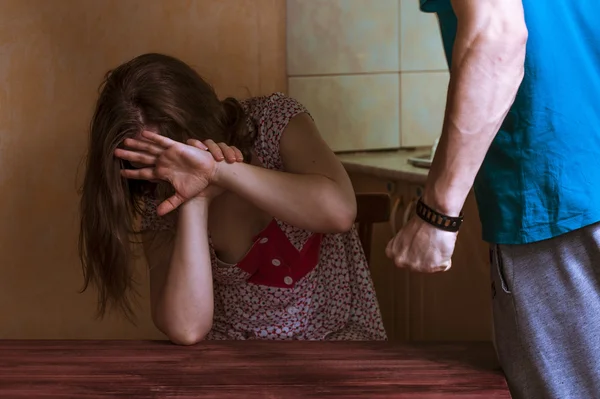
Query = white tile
x=342 y=36
x=353 y=113
x=421 y=47
x=422 y=107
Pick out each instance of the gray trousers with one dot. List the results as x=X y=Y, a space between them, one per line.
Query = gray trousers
x=546 y=311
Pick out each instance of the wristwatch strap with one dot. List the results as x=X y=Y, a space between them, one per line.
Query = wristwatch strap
x=439 y=220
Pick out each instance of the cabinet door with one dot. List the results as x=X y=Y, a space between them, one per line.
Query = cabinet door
x=391 y=284
x=454 y=305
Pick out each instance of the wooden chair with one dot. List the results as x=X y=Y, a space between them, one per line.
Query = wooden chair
x=371 y=208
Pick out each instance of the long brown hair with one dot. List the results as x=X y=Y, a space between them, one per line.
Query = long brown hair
x=151 y=90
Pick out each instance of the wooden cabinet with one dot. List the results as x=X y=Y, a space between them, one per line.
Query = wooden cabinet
x=450 y=306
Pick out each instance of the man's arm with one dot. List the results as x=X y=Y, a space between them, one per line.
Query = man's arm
x=486 y=72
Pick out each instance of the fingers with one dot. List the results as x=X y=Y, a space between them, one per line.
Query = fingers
x=402 y=262
x=215 y=150
x=169 y=205
x=391 y=253
x=145 y=146
x=163 y=141
x=228 y=153
x=197 y=144
x=445 y=266
x=220 y=151
x=398 y=259
x=239 y=157
x=389 y=249
x=135 y=156
x=139 y=174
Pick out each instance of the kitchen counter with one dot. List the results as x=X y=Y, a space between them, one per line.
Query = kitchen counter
x=386 y=164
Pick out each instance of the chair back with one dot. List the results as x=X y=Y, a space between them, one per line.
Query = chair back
x=371 y=208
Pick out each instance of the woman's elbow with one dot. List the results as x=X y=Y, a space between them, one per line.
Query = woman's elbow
x=184 y=333
x=344 y=216
x=186 y=340
x=189 y=337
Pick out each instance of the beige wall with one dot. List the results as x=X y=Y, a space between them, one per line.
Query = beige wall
x=53 y=54
x=372 y=73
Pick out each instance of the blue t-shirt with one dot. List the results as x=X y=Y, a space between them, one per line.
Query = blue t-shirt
x=541 y=175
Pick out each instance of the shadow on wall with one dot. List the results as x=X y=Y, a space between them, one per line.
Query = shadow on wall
x=53 y=56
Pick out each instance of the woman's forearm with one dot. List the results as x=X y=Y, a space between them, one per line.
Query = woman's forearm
x=309 y=201
x=487 y=69
x=184 y=311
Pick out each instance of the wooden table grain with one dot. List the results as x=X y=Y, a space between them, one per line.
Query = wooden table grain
x=247 y=369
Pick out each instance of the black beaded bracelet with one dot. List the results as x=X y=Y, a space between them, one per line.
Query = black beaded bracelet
x=443 y=222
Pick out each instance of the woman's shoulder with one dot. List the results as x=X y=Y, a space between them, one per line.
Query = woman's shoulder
x=275 y=106
x=263 y=100
x=269 y=115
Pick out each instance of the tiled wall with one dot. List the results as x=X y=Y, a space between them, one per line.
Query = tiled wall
x=371 y=72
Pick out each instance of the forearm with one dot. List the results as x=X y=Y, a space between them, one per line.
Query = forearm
x=487 y=69
x=184 y=310
x=309 y=201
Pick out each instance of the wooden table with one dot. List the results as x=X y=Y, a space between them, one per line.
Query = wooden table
x=250 y=369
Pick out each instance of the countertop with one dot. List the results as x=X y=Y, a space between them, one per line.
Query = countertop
x=386 y=164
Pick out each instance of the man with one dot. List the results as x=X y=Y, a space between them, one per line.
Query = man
x=522 y=125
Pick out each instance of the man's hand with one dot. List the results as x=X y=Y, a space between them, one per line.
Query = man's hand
x=421 y=247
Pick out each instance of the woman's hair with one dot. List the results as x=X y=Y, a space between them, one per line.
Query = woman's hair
x=150 y=91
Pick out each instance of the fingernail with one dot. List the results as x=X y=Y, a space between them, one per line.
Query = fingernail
x=445 y=268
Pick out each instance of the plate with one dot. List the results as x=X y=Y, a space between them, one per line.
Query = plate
x=424 y=161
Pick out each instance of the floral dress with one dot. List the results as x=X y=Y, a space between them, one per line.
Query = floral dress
x=292 y=284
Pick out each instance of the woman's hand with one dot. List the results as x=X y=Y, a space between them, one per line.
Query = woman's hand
x=189 y=168
x=219 y=151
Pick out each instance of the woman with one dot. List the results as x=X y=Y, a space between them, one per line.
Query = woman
x=261 y=249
